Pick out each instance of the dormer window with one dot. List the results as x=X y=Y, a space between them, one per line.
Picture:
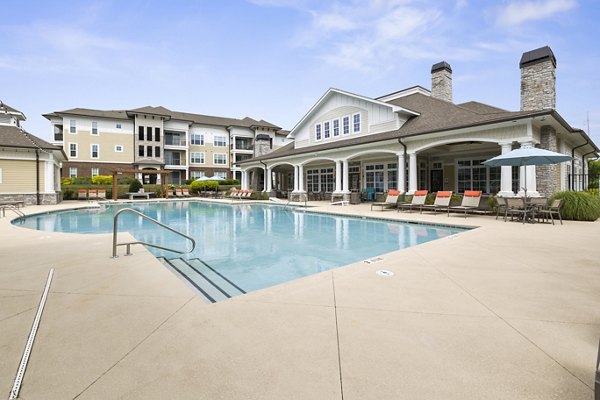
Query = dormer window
x=346 y=125
x=318 y=132
x=326 y=131
x=356 y=123
x=336 y=127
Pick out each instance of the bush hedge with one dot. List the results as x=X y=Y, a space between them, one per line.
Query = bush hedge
x=578 y=206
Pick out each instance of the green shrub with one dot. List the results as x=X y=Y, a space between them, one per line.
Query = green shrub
x=230 y=182
x=259 y=196
x=125 y=180
x=578 y=206
x=69 y=194
x=593 y=192
x=430 y=199
x=202 y=186
x=102 y=180
x=84 y=180
x=135 y=186
x=188 y=182
x=67 y=181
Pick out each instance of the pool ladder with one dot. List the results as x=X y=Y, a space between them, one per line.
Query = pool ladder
x=128 y=244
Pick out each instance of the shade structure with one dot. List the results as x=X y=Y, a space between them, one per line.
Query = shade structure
x=527 y=156
x=210 y=178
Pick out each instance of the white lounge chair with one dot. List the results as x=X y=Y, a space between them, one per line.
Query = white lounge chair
x=390 y=200
x=442 y=202
x=417 y=200
x=470 y=201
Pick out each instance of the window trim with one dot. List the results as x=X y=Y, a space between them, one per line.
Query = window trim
x=333 y=128
x=76 y=150
x=92 y=171
x=117 y=148
x=92 y=151
x=118 y=125
x=197 y=152
x=354 y=123
x=318 y=132
x=215 y=141
x=73 y=126
x=92 y=129
x=345 y=118
x=219 y=154
x=326 y=129
x=201 y=135
x=71 y=169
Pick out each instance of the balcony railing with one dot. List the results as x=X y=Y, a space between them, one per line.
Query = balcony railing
x=174 y=161
x=174 y=141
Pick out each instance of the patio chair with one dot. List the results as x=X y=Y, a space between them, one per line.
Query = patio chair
x=101 y=194
x=246 y=194
x=368 y=194
x=92 y=194
x=338 y=200
x=82 y=194
x=185 y=192
x=516 y=206
x=234 y=193
x=390 y=200
x=500 y=206
x=442 y=202
x=550 y=211
x=470 y=201
x=178 y=192
x=417 y=200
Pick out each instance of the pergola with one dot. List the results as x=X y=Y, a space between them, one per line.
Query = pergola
x=163 y=178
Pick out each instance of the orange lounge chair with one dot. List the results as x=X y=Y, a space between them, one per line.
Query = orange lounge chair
x=417 y=200
x=442 y=202
x=390 y=200
x=470 y=201
x=82 y=194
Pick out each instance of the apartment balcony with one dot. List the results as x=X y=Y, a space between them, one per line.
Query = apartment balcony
x=175 y=142
x=243 y=145
x=176 y=162
x=58 y=133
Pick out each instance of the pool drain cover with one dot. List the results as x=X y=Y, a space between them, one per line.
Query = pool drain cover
x=384 y=272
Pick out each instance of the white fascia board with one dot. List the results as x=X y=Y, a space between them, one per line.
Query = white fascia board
x=327 y=94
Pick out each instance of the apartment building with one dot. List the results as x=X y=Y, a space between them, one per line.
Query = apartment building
x=189 y=145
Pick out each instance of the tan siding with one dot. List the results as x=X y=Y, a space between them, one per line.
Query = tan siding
x=106 y=141
x=18 y=176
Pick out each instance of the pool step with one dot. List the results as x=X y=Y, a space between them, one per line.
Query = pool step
x=210 y=284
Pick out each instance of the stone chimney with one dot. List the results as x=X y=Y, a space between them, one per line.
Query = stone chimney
x=538 y=79
x=441 y=81
x=262 y=145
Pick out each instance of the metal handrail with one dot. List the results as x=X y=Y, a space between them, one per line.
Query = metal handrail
x=128 y=244
x=12 y=208
x=304 y=195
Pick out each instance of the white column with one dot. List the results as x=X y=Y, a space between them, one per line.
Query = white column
x=268 y=178
x=245 y=180
x=345 y=178
x=527 y=177
x=301 y=178
x=506 y=175
x=338 y=177
x=412 y=173
x=296 y=167
x=401 y=173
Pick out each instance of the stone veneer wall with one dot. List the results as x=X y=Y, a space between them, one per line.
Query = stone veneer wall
x=31 y=199
x=538 y=86
x=441 y=85
x=547 y=176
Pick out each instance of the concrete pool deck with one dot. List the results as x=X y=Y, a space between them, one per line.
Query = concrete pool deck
x=505 y=311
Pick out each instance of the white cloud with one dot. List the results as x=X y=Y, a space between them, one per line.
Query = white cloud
x=518 y=12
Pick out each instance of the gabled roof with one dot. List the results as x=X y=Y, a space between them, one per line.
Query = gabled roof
x=333 y=91
x=165 y=112
x=5 y=108
x=15 y=137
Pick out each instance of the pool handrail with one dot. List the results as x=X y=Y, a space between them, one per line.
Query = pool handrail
x=128 y=244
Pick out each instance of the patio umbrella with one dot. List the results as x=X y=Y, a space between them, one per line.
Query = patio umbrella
x=527 y=156
x=210 y=178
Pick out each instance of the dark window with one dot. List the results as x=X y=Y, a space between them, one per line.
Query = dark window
x=157 y=151
x=149 y=151
x=157 y=134
x=149 y=133
x=141 y=133
x=141 y=149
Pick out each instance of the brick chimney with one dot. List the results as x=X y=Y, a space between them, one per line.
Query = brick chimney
x=441 y=81
x=538 y=79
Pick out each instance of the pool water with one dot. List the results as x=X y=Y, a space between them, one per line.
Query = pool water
x=253 y=245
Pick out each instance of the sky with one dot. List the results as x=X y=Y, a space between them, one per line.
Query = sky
x=274 y=59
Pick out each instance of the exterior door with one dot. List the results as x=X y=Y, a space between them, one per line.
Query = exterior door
x=437 y=180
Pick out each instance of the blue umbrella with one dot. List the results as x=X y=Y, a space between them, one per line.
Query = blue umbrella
x=527 y=156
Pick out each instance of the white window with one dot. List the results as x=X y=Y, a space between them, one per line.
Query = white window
x=73 y=150
x=318 y=132
x=95 y=172
x=356 y=123
x=118 y=148
x=197 y=158
x=95 y=151
x=197 y=139
x=220 y=141
x=94 y=128
x=73 y=172
x=346 y=125
x=336 y=127
x=220 y=174
x=72 y=126
x=326 y=132
x=119 y=126
x=220 y=159
x=196 y=174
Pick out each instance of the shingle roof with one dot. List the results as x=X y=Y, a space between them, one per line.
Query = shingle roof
x=8 y=108
x=435 y=116
x=12 y=136
x=159 y=110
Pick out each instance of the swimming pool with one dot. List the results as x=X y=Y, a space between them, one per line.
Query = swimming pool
x=246 y=247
